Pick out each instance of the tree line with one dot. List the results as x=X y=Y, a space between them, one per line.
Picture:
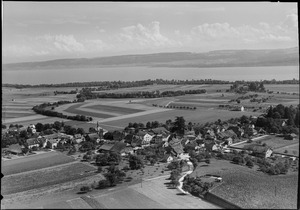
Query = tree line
x=43 y=109
x=87 y=93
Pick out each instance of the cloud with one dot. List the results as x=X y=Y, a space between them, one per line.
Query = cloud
x=66 y=43
x=142 y=36
x=291 y=21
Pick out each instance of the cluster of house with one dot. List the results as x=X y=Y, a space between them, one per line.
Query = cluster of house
x=215 y=138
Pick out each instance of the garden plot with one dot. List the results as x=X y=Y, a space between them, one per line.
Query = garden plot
x=45 y=177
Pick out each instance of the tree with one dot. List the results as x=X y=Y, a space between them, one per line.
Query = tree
x=80 y=131
x=179 y=125
x=103 y=184
x=92 y=130
x=24 y=134
x=148 y=125
x=57 y=125
x=135 y=162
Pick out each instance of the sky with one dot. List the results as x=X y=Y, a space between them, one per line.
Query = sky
x=37 y=31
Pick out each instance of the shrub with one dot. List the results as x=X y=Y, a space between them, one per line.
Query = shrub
x=103 y=184
x=249 y=163
x=85 y=188
x=126 y=168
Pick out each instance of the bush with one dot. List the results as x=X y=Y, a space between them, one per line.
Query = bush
x=249 y=163
x=85 y=188
x=126 y=168
x=103 y=184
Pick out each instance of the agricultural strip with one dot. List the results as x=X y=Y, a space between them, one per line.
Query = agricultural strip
x=75 y=109
x=156 y=190
x=114 y=109
x=251 y=189
x=145 y=113
x=34 y=162
x=200 y=115
x=46 y=177
x=273 y=141
x=292 y=149
x=128 y=199
x=22 y=119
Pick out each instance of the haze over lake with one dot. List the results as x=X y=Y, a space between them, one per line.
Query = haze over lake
x=56 y=76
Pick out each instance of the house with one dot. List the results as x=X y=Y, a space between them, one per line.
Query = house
x=237 y=130
x=167 y=158
x=15 y=149
x=127 y=150
x=32 y=142
x=228 y=141
x=106 y=147
x=146 y=137
x=136 y=142
x=52 y=143
x=42 y=141
x=210 y=146
x=291 y=136
x=79 y=138
x=93 y=137
x=32 y=128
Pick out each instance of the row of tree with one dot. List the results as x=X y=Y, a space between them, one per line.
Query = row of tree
x=87 y=93
x=43 y=109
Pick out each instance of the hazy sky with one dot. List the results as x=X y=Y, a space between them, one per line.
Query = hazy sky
x=34 y=31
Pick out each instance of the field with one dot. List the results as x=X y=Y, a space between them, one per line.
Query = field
x=249 y=188
x=279 y=144
x=45 y=177
x=200 y=115
x=114 y=109
x=34 y=162
x=283 y=88
x=117 y=113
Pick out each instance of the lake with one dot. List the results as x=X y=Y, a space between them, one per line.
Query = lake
x=56 y=76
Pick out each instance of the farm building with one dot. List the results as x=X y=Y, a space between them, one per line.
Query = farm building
x=210 y=146
x=15 y=149
x=291 y=136
x=176 y=147
x=32 y=142
x=106 y=147
x=260 y=151
x=113 y=147
x=227 y=134
x=160 y=130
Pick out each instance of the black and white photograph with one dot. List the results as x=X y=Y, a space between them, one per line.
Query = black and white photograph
x=150 y=105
